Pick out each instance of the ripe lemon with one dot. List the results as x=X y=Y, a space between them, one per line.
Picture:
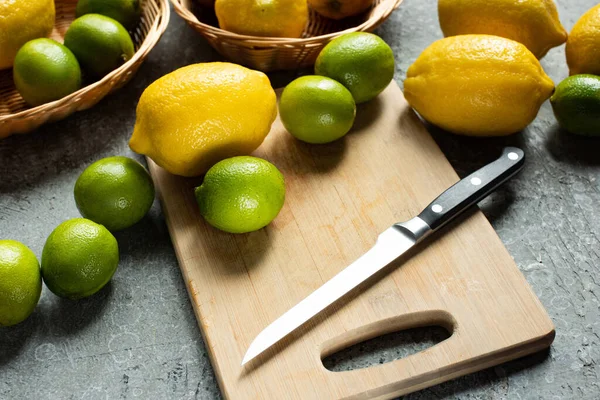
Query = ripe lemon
x=361 y=61
x=338 y=9
x=45 y=71
x=203 y=113
x=20 y=282
x=100 y=43
x=115 y=192
x=533 y=23
x=478 y=85
x=20 y=22
x=241 y=194
x=276 y=18
x=126 y=12
x=79 y=258
x=317 y=109
x=583 y=46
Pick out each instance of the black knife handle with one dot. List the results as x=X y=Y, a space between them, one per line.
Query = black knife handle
x=473 y=188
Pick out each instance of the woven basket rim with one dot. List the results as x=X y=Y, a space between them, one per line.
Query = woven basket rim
x=152 y=37
x=187 y=15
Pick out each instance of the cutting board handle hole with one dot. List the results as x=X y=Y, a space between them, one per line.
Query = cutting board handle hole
x=387 y=341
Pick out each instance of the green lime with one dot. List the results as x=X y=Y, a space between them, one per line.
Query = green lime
x=361 y=61
x=241 y=194
x=317 y=109
x=576 y=104
x=100 y=43
x=20 y=282
x=45 y=71
x=126 y=12
x=79 y=258
x=115 y=192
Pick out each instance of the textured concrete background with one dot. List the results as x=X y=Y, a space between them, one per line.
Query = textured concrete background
x=138 y=337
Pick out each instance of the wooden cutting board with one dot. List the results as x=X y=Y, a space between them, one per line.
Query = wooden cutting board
x=339 y=197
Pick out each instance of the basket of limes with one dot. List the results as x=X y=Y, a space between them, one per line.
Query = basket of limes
x=72 y=54
x=281 y=35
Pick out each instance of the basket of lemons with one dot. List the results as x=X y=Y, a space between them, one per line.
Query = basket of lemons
x=66 y=55
x=283 y=34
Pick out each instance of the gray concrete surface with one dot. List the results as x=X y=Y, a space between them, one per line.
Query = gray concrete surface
x=138 y=337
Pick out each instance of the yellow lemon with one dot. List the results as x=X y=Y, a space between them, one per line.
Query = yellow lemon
x=20 y=22
x=276 y=18
x=533 y=23
x=192 y=118
x=478 y=85
x=583 y=46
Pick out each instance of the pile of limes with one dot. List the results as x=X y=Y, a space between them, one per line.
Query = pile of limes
x=352 y=69
x=96 y=43
x=81 y=255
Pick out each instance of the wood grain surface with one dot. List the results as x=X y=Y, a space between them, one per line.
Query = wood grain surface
x=339 y=197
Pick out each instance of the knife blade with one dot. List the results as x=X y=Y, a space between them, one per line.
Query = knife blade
x=391 y=244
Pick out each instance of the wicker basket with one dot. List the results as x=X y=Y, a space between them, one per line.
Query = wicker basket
x=272 y=54
x=17 y=117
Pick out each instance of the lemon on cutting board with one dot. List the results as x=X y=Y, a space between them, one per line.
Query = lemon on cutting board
x=20 y=22
x=20 y=282
x=534 y=23
x=583 y=46
x=276 y=18
x=192 y=118
x=478 y=85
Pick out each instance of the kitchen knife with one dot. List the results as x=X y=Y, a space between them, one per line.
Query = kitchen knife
x=391 y=244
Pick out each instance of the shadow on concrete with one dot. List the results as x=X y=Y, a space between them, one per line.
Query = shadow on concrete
x=497 y=203
x=467 y=153
x=53 y=314
x=71 y=316
x=572 y=149
x=144 y=239
x=14 y=338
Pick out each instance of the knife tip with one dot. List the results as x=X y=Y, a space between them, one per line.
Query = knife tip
x=246 y=359
x=253 y=351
